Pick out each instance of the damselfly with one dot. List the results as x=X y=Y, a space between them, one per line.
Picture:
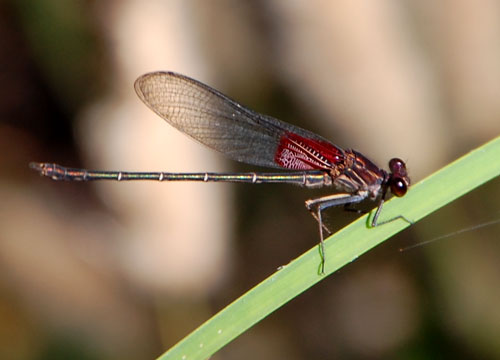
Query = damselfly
x=222 y=124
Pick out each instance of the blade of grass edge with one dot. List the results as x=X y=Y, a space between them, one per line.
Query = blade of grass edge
x=430 y=194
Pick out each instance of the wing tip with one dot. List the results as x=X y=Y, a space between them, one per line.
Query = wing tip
x=141 y=82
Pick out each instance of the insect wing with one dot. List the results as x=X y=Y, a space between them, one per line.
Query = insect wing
x=222 y=124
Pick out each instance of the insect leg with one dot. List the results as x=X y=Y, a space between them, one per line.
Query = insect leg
x=316 y=206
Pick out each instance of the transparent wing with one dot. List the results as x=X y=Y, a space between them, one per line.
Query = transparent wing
x=215 y=120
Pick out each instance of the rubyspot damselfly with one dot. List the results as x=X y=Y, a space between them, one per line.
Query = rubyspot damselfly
x=222 y=124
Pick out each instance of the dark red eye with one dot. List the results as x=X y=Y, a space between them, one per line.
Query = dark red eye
x=398 y=187
x=397 y=166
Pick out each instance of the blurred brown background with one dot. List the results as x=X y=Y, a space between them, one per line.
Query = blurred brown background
x=108 y=271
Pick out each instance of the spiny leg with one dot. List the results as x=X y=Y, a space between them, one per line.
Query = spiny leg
x=321 y=241
x=314 y=210
x=375 y=221
x=316 y=213
x=316 y=206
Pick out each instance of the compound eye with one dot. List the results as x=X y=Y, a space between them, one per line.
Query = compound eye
x=398 y=187
x=396 y=165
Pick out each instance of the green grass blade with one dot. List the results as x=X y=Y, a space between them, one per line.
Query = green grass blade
x=439 y=189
